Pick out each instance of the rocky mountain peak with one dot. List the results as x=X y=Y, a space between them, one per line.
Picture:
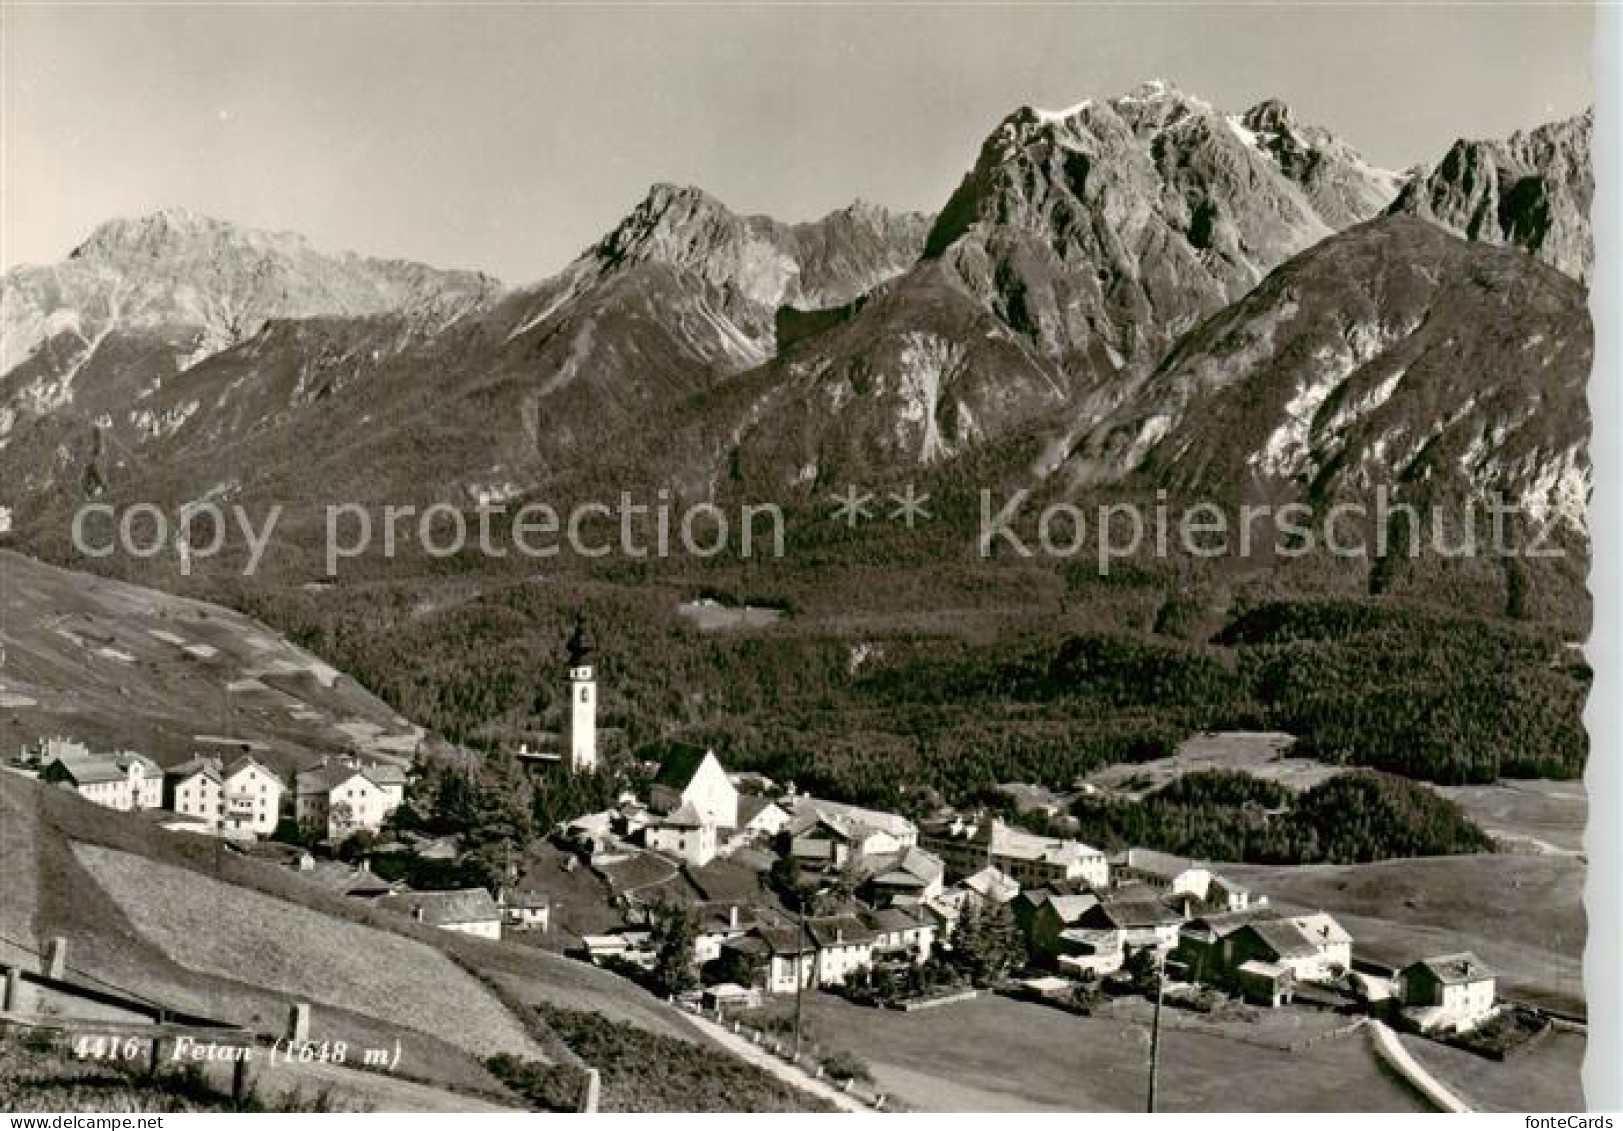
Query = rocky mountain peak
x=1101 y=230
x=1270 y=116
x=1532 y=190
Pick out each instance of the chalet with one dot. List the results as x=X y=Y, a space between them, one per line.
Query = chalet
x=1333 y=943
x=470 y=911
x=910 y=876
x=717 y=924
x=341 y=797
x=684 y=833
x=1448 y=992
x=1141 y=924
x=253 y=796
x=1050 y=917
x=690 y=777
x=1261 y=954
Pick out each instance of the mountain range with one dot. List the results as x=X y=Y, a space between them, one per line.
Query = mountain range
x=1158 y=290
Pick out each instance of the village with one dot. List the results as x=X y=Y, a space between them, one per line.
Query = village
x=731 y=893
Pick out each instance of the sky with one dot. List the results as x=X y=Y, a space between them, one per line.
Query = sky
x=509 y=138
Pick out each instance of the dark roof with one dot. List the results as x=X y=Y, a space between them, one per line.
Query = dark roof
x=1283 y=938
x=201 y=764
x=1455 y=969
x=677 y=767
x=1129 y=913
x=751 y=806
x=1221 y=924
x=895 y=919
x=838 y=930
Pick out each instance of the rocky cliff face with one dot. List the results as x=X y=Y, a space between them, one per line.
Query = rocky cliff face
x=1102 y=231
x=1394 y=353
x=207 y=284
x=1532 y=190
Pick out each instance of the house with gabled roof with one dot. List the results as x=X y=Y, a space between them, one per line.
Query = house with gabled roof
x=1261 y=953
x=903 y=832
x=788 y=956
x=469 y=911
x=684 y=833
x=124 y=780
x=195 y=789
x=253 y=796
x=1141 y=923
x=1447 y=992
x=693 y=776
x=992 y=885
x=910 y=877
x=901 y=934
x=341 y=797
x=760 y=817
x=1333 y=943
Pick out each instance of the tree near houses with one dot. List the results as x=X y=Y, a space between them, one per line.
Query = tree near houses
x=987 y=944
x=674 y=931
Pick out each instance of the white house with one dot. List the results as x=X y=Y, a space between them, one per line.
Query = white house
x=685 y=834
x=253 y=796
x=195 y=789
x=691 y=776
x=902 y=934
x=844 y=944
x=1449 y=992
x=344 y=797
x=760 y=817
x=1333 y=943
x=125 y=780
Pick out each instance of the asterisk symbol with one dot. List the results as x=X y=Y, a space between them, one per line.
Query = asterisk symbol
x=853 y=506
x=909 y=506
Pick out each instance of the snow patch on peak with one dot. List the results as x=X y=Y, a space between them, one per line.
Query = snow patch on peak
x=1054 y=117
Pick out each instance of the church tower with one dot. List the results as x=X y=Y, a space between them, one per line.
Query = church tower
x=582 y=702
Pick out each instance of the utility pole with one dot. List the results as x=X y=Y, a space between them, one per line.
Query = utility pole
x=800 y=962
x=1155 y=1033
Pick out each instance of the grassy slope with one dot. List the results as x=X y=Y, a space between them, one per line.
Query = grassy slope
x=1011 y=1055
x=117 y=665
x=1546 y=1077
x=131 y=950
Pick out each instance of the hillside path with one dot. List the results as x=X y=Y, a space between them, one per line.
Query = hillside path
x=762 y=1059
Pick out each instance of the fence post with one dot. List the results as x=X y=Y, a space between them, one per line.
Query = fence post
x=56 y=958
x=239 y=1078
x=590 y=1091
x=15 y=990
